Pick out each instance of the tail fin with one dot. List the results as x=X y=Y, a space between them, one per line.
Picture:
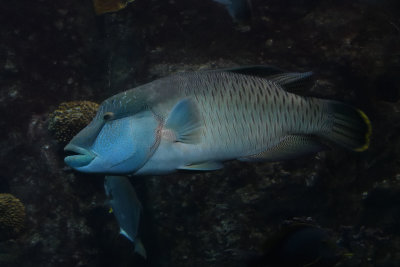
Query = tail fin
x=139 y=248
x=351 y=128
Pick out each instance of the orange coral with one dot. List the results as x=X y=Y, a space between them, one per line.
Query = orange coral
x=71 y=117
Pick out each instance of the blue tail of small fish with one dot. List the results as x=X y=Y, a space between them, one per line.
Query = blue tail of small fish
x=237 y=9
x=350 y=127
x=139 y=248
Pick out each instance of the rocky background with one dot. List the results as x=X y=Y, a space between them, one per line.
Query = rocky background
x=56 y=51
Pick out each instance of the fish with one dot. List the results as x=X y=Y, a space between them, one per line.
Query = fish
x=198 y=120
x=108 y=6
x=239 y=10
x=126 y=208
x=299 y=245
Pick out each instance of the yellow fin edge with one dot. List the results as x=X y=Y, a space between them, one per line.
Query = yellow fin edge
x=107 y=6
x=367 y=134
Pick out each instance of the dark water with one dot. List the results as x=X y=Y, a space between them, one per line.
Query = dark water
x=247 y=214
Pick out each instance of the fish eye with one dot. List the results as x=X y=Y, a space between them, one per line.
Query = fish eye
x=108 y=116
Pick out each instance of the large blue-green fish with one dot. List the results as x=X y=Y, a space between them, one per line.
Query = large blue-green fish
x=198 y=120
x=126 y=207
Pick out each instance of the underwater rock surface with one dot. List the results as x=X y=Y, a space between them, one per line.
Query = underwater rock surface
x=53 y=52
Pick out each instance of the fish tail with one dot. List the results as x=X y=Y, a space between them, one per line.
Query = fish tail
x=139 y=248
x=349 y=126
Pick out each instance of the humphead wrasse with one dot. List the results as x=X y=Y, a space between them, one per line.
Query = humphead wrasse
x=198 y=120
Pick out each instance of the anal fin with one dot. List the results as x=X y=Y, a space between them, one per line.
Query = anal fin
x=203 y=166
x=290 y=147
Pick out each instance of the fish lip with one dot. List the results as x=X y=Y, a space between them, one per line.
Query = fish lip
x=81 y=159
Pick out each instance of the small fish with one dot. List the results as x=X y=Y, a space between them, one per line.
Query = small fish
x=126 y=207
x=239 y=10
x=107 y=6
x=198 y=120
x=299 y=245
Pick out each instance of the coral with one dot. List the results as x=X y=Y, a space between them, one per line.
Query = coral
x=12 y=216
x=71 y=117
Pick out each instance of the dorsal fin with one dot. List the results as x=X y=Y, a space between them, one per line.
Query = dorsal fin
x=295 y=82
x=262 y=71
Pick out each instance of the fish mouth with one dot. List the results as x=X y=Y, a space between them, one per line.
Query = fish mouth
x=79 y=157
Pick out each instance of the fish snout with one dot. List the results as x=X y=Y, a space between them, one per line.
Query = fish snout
x=79 y=157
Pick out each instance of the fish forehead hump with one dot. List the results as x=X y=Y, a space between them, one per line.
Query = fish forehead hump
x=144 y=97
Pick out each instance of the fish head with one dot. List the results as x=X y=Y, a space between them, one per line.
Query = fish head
x=119 y=140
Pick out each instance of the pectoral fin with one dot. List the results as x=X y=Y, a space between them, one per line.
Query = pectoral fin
x=184 y=120
x=290 y=147
x=204 y=166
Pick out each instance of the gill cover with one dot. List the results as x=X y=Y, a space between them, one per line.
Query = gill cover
x=114 y=143
x=124 y=145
